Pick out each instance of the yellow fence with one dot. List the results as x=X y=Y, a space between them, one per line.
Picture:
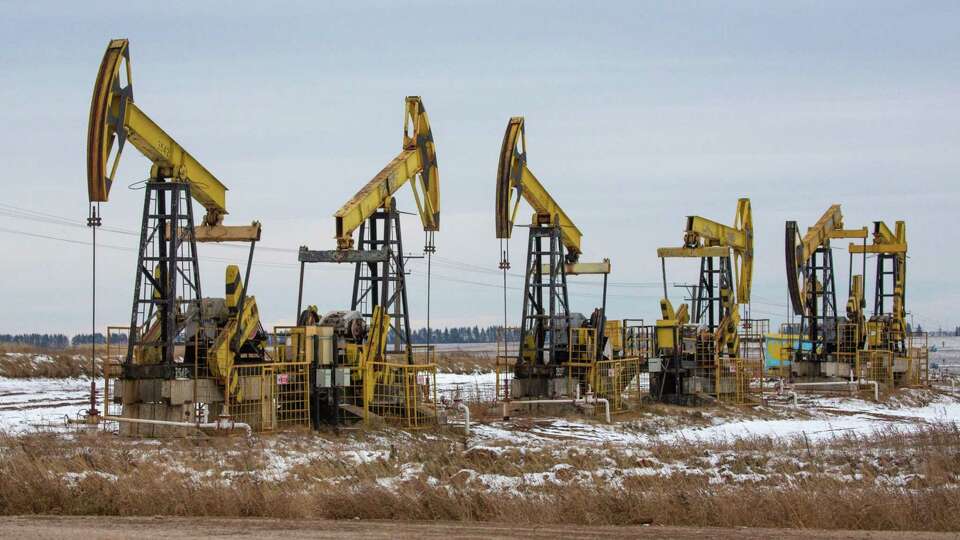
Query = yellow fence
x=919 y=353
x=277 y=395
x=637 y=339
x=402 y=394
x=113 y=369
x=848 y=342
x=748 y=379
x=269 y=396
x=617 y=380
x=875 y=365
x=504 y=371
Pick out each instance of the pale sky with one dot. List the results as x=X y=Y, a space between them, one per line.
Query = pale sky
x=637 y=115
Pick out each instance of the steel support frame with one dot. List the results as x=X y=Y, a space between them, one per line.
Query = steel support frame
x=541 y=316
x=818 y=323
x=707 y=302
x=168 y=248
x=883 y=290
x=380 y=280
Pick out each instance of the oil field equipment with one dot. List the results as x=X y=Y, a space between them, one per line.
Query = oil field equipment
x=553 y=339
x=182 y=347
x=890 y=354
x=887 y=327
x=704 y=358
x=355 y=375
x=821 y=346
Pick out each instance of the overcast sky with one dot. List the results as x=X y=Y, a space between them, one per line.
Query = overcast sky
x=637 y=115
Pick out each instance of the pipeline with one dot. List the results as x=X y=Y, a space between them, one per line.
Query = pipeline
x=466 y=417
x=589 y=400
x=857 y=384
x=218 y=425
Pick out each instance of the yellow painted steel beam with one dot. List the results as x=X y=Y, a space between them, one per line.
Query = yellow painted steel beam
x=416 y=163
x=707 y=238
x=877 y=248
x=884 y=240
x=583 y=268
x=224 y=233
x=716 y=234
x=850 y=233
x=829 y=226
x=115 y=119
x=173 y=161
x=819 y=233
x=515 y=181
x=799 y=250
x=680 y=252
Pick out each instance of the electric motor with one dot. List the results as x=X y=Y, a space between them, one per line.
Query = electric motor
x=348 y=325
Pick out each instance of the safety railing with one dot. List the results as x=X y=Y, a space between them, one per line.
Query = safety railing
x=848 y=342
x=287 y=344
x=343 y=387
x=477 y=393
x=112 y=369
x=919 y=352
x=504 y=376
x=725 y=378
x=269 y=396
x=706 y=375
x=582 y=345
x=751 y=333
x=875 y=365
x=748 y=380
x=402 y=394
x=617 y=380
x=638 y=339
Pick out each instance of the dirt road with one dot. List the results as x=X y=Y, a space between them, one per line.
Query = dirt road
x=85 y=528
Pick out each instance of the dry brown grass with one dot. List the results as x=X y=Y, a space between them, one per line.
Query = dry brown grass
x=16 y=361
x=20 y=361
x=432 y=476
x=465 y=361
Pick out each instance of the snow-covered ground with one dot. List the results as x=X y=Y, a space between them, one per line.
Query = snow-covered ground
x=29 y=403
x=816 y=418
x=26 y=404
x=471 y=347
x=945 y=354
x=557 y=447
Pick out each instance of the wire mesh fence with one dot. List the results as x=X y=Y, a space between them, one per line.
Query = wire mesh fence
x=112 y=367
x=402 y=394
x=506 y=359
x=617 y=381
x=848 y=342
x=919 y=352
x=269 y=396
x=875 y=365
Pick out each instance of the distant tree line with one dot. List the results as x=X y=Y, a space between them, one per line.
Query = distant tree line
x=53 y=341
x=60 y=341
x=98 y=338
x=461 y=334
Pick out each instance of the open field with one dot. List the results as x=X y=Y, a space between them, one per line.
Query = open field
x=19 y=362
x=663 y=466
x=831 y=462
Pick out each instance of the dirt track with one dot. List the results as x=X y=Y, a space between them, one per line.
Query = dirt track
x=166 y=527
